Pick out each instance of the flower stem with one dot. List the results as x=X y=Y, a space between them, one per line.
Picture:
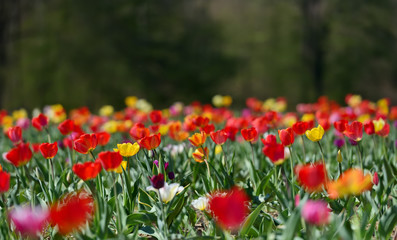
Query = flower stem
x=292 y=173
x=253 y=157
x=304 y=150
x=117 y=204
x=163 y=215
x=359 y=155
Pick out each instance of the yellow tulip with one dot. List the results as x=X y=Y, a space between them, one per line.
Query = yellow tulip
x=218 y=149
x=122 y=165
x=378 y=124
x=128 y=149
x=315 y=134
x=106 y=110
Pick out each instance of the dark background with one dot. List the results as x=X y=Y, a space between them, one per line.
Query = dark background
x=97 y=52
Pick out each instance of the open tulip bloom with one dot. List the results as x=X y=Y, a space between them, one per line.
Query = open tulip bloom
x=198 y=170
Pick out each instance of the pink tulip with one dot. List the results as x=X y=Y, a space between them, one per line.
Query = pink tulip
x=29 y=221
x=316 y=212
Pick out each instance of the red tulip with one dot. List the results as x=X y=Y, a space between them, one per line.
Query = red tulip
x=375 y=179
x=208 y=128
x=249 y=134
x=49 y=150
x=138 y=131
x=150 y=142
x=300 y=127
x=201 y=121
x=273 y=150
x=110 y=160
x=313 y=177
x=286 y=136
x=40 y=121
x=72 y=212
x=4 y=181
x=384 y=132
x=20 y=155
x=66 y=127
x=103 y=138
x=354 y=131
x=87 y=170
x=231 y=133
x=15 y=134
x=369 y=128
x=219 y=137
x=341 y=125
x=155 y=116
x=229 y=208
x=85 y=143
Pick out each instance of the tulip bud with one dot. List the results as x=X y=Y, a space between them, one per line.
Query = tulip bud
x=339 y=156
x=375 y=179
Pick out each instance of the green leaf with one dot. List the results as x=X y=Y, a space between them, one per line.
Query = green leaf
x=388 y=221
x=251 y=219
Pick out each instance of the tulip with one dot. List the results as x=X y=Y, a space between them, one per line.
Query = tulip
x=354 y=131
x=86 y=143
x=341 y=125
x=198 y=139
x=66 y=127
x=29 y=222
x=313 y=177
x=20 y=155
x=15 y=134
x=375 y=179
x=300 y=127
x=315 y=134
x=138 y=131
x=40 y=121
x=166 y=192
x=219 y=137
x=72 y=212
x=351 y=182
x=157 y=181
x=127 y=149
x=286 y=136
x=110 y=160
x=273 y=150
x=369 y=128
x=103 y=138
x=155 y=116
x=4 y=181
x=208 y=128
x=316 y=212
x=88 y=170
x=150 y=142
x=201 y=203
x=229 y=208
x=49 y=150
x=249 y=134
x=200 y=155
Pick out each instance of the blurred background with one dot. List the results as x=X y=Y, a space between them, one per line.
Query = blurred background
x=97 y=52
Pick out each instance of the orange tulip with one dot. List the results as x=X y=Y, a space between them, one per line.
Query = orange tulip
x=198 y=139
x=351 y=182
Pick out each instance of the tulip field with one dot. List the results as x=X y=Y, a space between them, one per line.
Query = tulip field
x=195 y=171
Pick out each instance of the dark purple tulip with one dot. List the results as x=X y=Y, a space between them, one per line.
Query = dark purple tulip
x=171 y=175
x=339 y=142
x=157 y=181
x=352 y=142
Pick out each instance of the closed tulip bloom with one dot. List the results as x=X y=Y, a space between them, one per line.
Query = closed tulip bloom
x=381 y=127
x=229 y=208
x=85 y=143
x=88 y=170
x=273 y=150
x=167 y=192
x=315 y=134
x=354 y=131
x=128 y=149
x=66 y=127
x=312 y=177
x=201 y=203
x=375 y=179
x=351 y=182
x=15 y=134
x=208 y=128
x=249 y=134
x=340 y=125
x=200 y=155
x=103 y=138
x=110 y=160
x=198 y=139
x=300 y=127
x=150 y=142
x=369 y=128
x=4 y=181
x=19 y=155
x=28 y=221
x=40 y=121
x=138 y=131
x=49 y=150
x=155 y=116
x=316 y=212
x=201 y=121
x=72 y=212
x=157 y=181
x=286 y=136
